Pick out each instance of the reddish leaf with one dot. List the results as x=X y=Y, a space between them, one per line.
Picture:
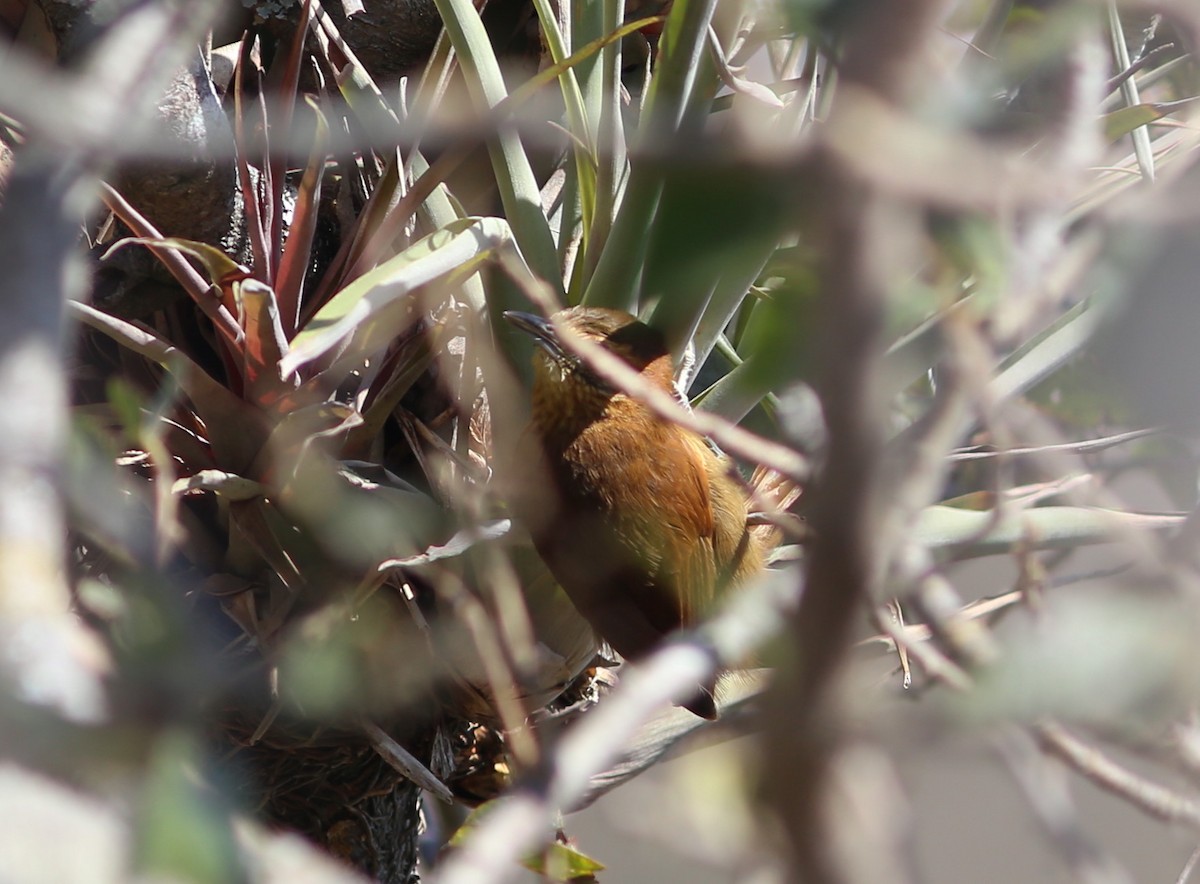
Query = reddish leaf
x=293 y=265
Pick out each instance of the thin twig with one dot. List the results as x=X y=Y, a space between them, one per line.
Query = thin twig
x=1138 y=64
x=1188 y=867
x=1046 y=790
x=914 y=640
x=1153 y=798
x=1087 y=446
x=405 y=762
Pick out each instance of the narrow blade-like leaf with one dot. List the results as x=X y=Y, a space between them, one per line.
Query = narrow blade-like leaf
x=437 y=255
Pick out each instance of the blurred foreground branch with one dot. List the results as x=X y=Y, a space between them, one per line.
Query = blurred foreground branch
x=865 y=251
x=523 y=820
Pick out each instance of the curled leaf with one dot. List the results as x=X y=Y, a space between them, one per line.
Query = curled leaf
x=221 y=269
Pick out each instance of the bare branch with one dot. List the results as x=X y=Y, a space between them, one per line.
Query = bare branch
x=1153 y=798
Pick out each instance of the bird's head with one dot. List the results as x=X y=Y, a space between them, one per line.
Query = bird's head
x=563 y=383
x=623 y=335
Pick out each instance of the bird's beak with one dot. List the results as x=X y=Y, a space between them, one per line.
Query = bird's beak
x=541 y=329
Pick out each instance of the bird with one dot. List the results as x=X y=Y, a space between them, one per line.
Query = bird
x=640 y=521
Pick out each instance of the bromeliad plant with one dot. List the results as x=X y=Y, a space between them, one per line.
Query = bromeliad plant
x=265 y=452
x=306 y=372
x=274 y=440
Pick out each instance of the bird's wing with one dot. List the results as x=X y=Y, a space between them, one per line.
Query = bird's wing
x=689 y=557
x=740 y=552
x=662 y=511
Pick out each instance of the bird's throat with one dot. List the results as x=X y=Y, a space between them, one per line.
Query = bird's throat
x=565 y=403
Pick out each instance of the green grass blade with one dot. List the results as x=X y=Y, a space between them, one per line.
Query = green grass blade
x=518 y=188
x=611 y=140
x=684 y=41
x=584 y=148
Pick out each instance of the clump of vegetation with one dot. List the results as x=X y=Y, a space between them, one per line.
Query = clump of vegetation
x=921 y=262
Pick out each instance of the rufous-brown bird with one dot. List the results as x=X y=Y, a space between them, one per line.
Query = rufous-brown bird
x=638 y=519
